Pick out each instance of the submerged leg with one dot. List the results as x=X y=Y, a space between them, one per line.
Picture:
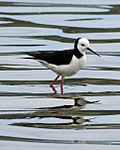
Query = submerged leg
x=52 y=83
x=62 y=84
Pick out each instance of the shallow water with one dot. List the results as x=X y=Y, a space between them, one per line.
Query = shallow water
x=88 y=115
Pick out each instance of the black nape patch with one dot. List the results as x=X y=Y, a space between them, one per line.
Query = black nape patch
x=76 y=51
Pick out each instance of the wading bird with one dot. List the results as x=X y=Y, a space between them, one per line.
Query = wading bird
x=64 y=63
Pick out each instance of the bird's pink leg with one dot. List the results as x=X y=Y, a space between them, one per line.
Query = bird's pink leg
x=62 y=84
x=52 y=83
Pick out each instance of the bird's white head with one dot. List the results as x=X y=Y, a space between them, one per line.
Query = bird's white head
x=82 y=44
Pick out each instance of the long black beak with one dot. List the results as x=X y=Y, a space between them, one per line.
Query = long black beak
x=92 y=51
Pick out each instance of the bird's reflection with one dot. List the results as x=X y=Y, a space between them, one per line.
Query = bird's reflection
x=65 y=116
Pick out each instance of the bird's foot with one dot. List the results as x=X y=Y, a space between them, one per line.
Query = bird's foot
x=52 y=94
x=56 y=95
x=55 y=92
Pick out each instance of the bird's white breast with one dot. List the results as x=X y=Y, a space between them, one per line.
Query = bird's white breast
x=69 y=69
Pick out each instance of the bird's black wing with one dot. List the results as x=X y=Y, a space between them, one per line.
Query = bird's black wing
x=53 y=57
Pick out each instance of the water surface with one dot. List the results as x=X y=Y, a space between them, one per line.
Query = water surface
x=88 y=115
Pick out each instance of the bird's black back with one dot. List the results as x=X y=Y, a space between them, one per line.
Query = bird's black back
x=53 y=57
x=57 y=57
